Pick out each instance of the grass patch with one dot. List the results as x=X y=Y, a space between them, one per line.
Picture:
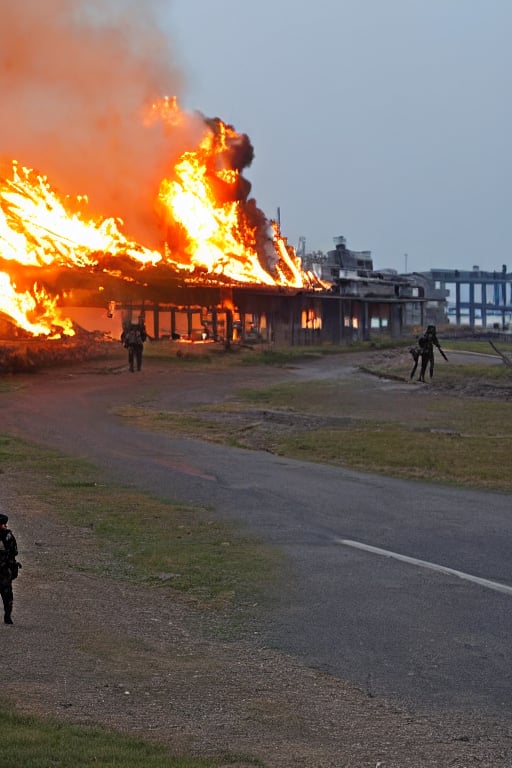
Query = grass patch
x=482 y=347
x=146 y=539
x=201 y=424
x=215 y=355
x=9 y=385
x=458 y=440
x=394 y=449
x=450 y=375
x=30 y=742
x=182 y=547
x=180 y=354
x=280 y=356
x=445 y=439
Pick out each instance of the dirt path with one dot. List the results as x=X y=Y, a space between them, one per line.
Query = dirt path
x=92 y=650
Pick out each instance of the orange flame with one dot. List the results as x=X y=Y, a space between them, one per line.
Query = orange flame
x=36 y=228
x=211 y=225
x=20 y=307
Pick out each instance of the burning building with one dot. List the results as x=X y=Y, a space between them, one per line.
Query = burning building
x=109 y=195
x=213 y=236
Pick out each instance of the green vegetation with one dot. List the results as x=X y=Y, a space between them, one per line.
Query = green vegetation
x=28 y=742
x=290 y=355
x=258 y=354
x=9 y=385
x=443 y=438
x=453 y=375
x=145 y=539
x=396 y=449
x=165 y=351
x=482 y=347
x=453 y=439
x=202 y=424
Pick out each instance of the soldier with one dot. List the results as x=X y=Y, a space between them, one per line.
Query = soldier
x=427 y=356
x=8 y=566
x=133 y=338
x=426 y=344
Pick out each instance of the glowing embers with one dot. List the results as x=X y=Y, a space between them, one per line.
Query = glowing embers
x=311 y=320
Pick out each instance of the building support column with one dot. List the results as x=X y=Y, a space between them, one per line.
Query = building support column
x=366 y=321
x=472 y=305
x=156 y=321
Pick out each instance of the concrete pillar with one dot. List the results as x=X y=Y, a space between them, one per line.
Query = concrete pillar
x=472 y=304
x=229 y=328
x=156 y=321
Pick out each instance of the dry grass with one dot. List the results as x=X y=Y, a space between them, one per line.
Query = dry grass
x=457 y=431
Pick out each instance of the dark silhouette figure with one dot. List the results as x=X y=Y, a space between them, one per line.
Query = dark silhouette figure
x=415 y=352
x=425 y=352
x=133 y=337
x=8 y=567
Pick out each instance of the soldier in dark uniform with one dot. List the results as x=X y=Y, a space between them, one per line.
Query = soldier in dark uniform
x=133 y=337
x=8 y=566
x=425 y=352
x=427 y=343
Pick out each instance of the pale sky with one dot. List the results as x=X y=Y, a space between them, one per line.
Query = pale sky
x=386 y=121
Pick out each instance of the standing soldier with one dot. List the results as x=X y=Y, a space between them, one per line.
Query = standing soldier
x=133 y=338
x=8 y=566
x=427 y=343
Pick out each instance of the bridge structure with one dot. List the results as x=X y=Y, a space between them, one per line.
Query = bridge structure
x=476 y=297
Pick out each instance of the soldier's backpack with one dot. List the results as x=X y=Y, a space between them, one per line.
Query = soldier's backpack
x=132 y=337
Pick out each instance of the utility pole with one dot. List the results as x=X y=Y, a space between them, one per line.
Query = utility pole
x=405 y=257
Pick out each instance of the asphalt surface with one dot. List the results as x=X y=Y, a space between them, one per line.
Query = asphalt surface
x=427 y=638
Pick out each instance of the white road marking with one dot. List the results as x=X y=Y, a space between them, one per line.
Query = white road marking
x=495 y=585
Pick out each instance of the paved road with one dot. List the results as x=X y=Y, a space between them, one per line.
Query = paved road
x=395 y=628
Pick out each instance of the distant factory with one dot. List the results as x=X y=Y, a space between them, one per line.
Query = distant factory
x=414 y=297
x=473 y=298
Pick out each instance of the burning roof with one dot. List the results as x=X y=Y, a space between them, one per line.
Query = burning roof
x=209 y=227
x=137 y=190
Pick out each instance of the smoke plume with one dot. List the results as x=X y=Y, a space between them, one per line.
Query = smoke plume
x=75 y=79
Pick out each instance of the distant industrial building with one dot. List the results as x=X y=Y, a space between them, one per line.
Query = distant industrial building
x=414 y=298
x=475 y=298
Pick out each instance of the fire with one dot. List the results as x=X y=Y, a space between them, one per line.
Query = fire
x=210 y=225
x=220 y=230
x=216 y=238
x=36 y=228
x=22 y=306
